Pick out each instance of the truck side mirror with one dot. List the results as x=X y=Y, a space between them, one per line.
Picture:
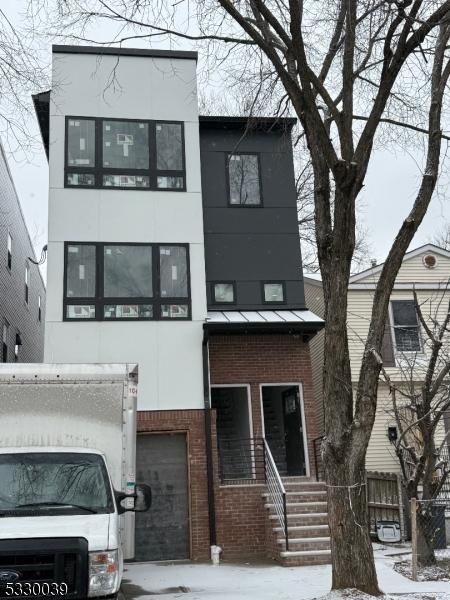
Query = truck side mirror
x=142 y=499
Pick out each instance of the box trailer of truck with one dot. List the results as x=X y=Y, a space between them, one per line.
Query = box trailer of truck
x=67 y=488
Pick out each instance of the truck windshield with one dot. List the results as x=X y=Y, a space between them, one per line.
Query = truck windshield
x=53 y=483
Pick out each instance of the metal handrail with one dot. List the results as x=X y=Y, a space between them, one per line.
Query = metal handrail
x=276 y=490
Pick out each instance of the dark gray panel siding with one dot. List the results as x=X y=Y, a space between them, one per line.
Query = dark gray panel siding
x=22 y=317
x=249 y=245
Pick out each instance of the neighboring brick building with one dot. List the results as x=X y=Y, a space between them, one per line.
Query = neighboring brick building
x=22 y=290
x=148 y=195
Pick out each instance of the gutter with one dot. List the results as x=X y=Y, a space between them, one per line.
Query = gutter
x=208 y=439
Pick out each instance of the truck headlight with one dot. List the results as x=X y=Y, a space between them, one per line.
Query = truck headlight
x=103 y=573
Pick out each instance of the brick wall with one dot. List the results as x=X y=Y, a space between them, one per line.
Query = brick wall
x=193 y=423
x=243 y=528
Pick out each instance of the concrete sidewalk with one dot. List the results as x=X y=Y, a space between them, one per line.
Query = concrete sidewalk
x=254 y=581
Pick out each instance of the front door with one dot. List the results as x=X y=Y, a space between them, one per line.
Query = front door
x=293 y=432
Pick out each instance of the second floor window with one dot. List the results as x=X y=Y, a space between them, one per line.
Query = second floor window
x=9 y=256
x=126 y=281
x=406 y=326
x=27 y=282
x=223 y=293
x=5 y=339
x=244 y=179
x=273 y=291
x=124 y=154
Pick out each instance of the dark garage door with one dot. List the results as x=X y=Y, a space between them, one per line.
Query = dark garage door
x=162 y=533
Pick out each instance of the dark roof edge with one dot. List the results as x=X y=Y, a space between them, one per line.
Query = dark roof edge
x=256 y=122
x=144 y=52
x=278 y=327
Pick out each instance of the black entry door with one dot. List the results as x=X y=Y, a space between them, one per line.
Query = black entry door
x=293 y=432
x=162 y=533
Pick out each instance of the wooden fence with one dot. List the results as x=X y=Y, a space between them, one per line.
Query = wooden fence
x=385 y=499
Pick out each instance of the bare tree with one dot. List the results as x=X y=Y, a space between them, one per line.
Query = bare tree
x=353 y=73
x=442 y=237
x=420 y=401
x=22 y=72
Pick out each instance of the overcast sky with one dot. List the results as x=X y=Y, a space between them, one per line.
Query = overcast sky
x=391 y=183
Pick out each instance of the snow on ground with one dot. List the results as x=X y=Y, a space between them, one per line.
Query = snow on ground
x=262 y=581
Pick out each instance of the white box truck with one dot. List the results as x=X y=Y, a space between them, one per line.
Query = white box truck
x=67 y=468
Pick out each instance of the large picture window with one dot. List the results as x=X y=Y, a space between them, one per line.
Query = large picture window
x=406 y=326
x=126 y=281
x=124 y=154
x=244 y=179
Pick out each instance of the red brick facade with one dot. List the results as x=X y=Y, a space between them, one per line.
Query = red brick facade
x=242 y=525
x=193 y=423
x=241 y=519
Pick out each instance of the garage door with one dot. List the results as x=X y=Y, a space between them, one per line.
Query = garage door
x=162 y=533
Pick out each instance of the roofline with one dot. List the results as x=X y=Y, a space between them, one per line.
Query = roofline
x=108 y=50
x=408 y=255
x=310 y=328
x=312 y=281
x=257 y=122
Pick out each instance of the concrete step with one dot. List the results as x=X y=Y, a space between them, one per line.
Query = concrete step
x=304 y=531
x=296 y=508
x=300 y=544
x=305 y=487
x=319 y=518
x=298 y=558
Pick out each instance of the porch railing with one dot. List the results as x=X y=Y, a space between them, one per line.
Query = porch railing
x=241 y=460
x=277 y=493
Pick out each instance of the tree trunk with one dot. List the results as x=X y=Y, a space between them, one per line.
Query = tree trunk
x=351 y=547
x=425 y=535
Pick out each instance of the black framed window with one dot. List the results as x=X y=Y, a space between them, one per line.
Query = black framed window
x=124 y=154
x=126 y=281
x=244 y=182
x=223 y=292
x=9 y=255
x=27 y=282
x=406 y=326
x=39 y=309
x=273 y=292
x=5 y=341
x=17 y=346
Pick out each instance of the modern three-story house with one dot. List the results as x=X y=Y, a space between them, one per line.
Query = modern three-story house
x=173 y=243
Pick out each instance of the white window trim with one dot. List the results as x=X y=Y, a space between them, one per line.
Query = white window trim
x=399 y=353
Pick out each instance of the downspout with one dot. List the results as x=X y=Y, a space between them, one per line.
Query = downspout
x=209 y=456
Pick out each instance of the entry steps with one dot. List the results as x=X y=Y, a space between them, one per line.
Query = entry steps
x=307 y=516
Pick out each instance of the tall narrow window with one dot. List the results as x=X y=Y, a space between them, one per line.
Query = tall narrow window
x=27 y=282
x=5 y=341
x=406 y=326
x=243 y=179
x=80 y=281
x=39 y=309
x=169 y=155
x=9 y=257
x=80 y=152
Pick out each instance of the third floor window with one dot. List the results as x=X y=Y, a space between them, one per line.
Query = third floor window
x=244 y=180
x=124 y=154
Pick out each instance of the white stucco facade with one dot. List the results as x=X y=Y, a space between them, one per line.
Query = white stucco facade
x=169 y=353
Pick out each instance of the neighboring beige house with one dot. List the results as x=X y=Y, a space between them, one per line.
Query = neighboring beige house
x=427 y=269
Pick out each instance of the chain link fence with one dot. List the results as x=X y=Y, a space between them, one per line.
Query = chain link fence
x=430 y=533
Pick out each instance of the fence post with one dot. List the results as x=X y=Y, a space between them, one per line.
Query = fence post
x=414 y=538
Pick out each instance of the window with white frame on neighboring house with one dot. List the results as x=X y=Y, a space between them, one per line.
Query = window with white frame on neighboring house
x=406 y=326
x=126 y=281
x=17 y=346
x=244 y=183
x=9 y=254
x=5 y=341
x=124 y=154
x=27 y=282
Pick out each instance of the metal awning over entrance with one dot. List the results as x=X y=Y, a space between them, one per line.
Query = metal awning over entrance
x=263 y=321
